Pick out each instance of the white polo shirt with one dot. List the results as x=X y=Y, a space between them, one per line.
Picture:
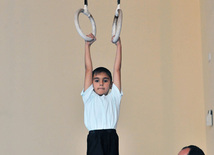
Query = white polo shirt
x=101 y=112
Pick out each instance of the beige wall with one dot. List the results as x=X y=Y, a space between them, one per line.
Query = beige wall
x=208 y=67
x=42 y=72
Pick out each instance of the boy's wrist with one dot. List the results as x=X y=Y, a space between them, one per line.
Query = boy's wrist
x=118 y=43
x=87 y=44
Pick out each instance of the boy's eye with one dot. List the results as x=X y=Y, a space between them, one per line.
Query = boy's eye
x=96 y=80
x=105 y=81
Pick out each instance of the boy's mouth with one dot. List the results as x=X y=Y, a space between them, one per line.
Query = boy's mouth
x=101 y=88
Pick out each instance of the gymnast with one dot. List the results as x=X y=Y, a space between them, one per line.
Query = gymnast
x=101 y=96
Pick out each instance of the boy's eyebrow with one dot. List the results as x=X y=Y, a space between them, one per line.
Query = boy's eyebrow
x=96 y=78
x=99 y=78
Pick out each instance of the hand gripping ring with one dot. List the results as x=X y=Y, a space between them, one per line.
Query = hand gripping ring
x=76 y=21
x=117 y=25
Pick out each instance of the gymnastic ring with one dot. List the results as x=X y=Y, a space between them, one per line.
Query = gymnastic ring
x=117 y=25
x=76 y=21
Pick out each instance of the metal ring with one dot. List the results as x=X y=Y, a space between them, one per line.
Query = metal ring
x=117 y=26
x=76 y=21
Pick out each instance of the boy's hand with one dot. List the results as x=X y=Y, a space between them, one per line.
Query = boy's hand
x=118 y=41
x=89 y=43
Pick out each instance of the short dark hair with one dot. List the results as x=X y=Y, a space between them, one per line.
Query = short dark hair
x=100 y=70
x=194 y=150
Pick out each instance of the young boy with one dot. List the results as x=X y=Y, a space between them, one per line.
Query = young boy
x=102 y=106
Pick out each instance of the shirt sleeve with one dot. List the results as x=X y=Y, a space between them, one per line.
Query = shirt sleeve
x=116 y=90
x=87 y=93
x=116 y=93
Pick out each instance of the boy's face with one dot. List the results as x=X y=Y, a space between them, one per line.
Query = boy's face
x=101 y=83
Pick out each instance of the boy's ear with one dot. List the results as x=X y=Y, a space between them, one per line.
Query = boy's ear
x=111 y=85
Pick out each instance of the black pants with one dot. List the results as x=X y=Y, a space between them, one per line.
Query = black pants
x=103 y=142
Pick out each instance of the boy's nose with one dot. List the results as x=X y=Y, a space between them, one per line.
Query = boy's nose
x=101 y=83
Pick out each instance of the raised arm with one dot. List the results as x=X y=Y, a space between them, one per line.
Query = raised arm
x=88 y=63
x=117 y=65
